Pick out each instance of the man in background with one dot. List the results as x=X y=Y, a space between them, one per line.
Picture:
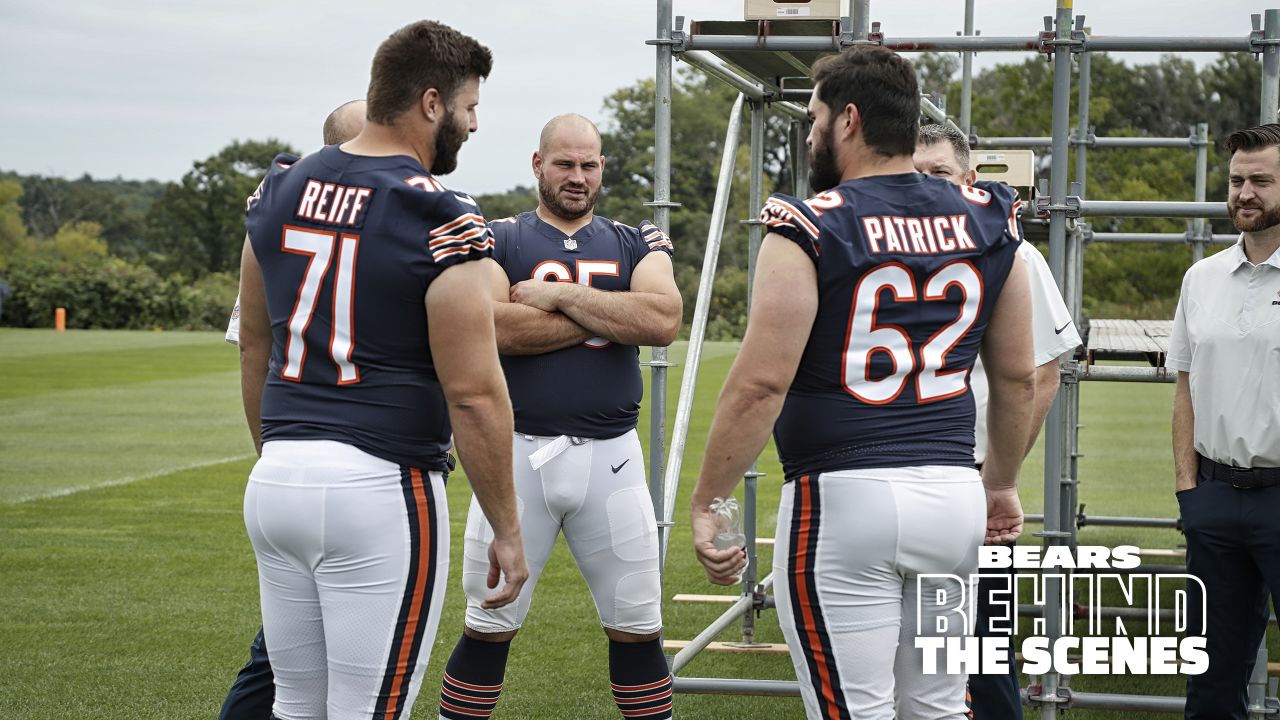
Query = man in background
x=943 y=151
x=1225 y=346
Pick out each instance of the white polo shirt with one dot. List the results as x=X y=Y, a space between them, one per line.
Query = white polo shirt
x=1052 y=334
x=1226 y=334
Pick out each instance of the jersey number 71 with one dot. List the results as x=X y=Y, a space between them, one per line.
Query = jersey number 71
x=865 y=337
x=319 y=247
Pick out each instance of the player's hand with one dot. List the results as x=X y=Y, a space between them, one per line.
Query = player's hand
x=1004 y=516
x=506 y=565
x=542 y=294
x=723 y=567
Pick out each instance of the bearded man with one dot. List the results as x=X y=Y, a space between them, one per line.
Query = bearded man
x=574 y=295
x=1226 y=408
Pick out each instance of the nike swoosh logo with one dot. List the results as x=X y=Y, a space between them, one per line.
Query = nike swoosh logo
x=619 y=467
x=1064 y=327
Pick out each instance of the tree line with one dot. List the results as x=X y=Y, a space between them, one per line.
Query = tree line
x=143 y=254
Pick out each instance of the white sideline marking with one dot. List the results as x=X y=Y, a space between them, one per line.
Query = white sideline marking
x=62 y=492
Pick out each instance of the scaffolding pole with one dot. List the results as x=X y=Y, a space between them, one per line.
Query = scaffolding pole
x=1057 y=447
x=1270 y=67
x=1120 y=237
x=1150 y=208
x=662 y=218
x=755 y=235
x=1199 y=228
x=966 y=73
x=698 y=330
x=1085 y=140
x=961 y=43
x=754 y=91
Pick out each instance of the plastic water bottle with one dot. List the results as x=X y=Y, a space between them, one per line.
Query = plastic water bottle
x=728 y=523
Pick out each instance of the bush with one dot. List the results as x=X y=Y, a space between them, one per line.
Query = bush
x=209 y=301
x=109 y=293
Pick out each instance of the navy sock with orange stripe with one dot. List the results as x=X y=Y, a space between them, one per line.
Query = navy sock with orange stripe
x=473 y=679
x=641 y=680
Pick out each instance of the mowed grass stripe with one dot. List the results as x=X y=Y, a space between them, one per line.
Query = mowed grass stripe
x=20 y=342
x=70 y=370
x=85 y=438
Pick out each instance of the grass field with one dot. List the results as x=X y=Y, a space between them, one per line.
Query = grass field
x=127 y=583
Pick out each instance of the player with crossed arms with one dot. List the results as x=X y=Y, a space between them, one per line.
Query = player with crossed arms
x=574 y=296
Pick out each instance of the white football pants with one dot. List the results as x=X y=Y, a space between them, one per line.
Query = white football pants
x=850 y=556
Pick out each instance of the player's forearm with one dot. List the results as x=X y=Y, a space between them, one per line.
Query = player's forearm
x=253 y=377
x=1185 y=459
x=525 y=330
x=1009 y=423
x=744 y=416
x=1048 y=378
x=482 y=427
x=630 y=318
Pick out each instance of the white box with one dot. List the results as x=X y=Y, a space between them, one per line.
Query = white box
x=1016 y=168
x=794 y=9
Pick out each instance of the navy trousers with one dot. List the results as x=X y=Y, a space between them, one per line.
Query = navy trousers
x=1233 y=547
x=994 y=697
x=254 y=690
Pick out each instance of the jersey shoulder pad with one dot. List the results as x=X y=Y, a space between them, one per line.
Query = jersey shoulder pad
x=795 y=220
x=457 y=231
x=654 y=238
x=279 y=164
x=1002 y=201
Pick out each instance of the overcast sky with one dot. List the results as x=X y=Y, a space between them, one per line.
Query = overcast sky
x=142 y=88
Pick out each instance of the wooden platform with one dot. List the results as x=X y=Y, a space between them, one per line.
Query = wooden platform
x=730 y=647
x=1129 y=340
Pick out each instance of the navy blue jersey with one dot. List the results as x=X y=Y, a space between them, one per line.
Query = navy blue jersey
x=348 y=246
x=589 y=390
x=909 y=269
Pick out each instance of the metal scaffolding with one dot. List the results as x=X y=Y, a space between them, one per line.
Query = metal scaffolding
x=771 y=69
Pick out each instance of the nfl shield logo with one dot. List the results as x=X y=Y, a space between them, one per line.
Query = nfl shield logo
x=570 y=244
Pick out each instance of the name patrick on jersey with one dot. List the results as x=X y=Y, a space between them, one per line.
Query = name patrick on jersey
x=934 y=235
x=334 y=204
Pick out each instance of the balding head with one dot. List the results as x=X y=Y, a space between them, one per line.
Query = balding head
x=569 y=167
x=344 y=123
x=568 y=128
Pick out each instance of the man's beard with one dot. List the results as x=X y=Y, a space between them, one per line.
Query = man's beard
x=1268 y=218
x=571 y=210
x=823 y=173
x=448 y=142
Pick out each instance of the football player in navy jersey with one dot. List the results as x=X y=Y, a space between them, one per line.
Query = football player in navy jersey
x=253 y=691
x=574 y=295
x=943 y=151
x=871 y=302
x=366 y=338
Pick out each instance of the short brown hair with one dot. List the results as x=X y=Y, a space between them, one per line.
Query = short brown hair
x=1254 y=138
x=419 y=56
x=882 y=85
x=941 y=132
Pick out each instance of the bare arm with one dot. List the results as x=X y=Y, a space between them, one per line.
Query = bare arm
x=1048 y=378
x=1007 y=354
x=255 y=341
x=1185 y=459
x=461 y=333
x=648 y=314
x=526 y=330
x=785 y=303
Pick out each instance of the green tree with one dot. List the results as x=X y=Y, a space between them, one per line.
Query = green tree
x=700 y=116
x=197 y=225
x=512 y=202
x=13 y=233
